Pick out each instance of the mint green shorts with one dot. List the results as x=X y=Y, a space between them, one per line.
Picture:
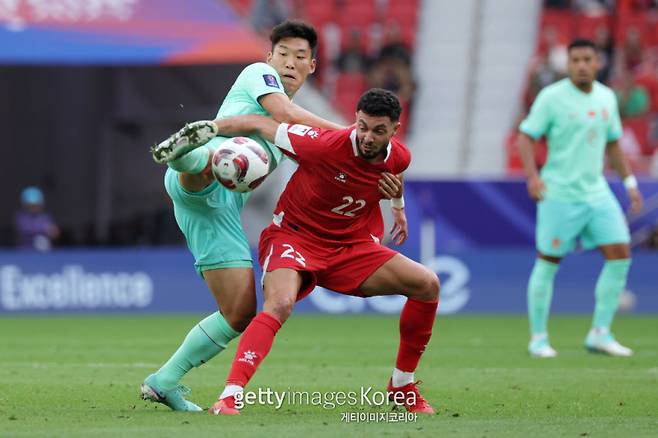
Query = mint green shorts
x=210 y=222
x=596 y=223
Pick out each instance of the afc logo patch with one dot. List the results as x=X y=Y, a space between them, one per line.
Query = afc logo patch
x=271 y=81
x=300 y=130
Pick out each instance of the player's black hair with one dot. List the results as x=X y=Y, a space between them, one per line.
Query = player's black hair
x=295 y=29
x=379 y=102
x=581 y=42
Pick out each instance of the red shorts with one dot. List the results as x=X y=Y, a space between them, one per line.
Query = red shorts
x=340 y=268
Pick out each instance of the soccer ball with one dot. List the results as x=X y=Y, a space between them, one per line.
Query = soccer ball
x=626 y=301
x=240 y=164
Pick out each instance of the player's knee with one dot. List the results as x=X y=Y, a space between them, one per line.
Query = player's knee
x=280 y=306
x=430 y=286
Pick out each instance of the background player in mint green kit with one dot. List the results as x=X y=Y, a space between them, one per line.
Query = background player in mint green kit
x=580 y=119
x=209 y=214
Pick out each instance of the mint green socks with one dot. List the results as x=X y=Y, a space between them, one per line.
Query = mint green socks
x=192 y=162
x=609 y=286
x=540 y=292
x=207 y=339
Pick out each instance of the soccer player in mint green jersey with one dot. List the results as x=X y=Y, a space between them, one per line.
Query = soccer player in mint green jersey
x=580 y=119
x=209 y=214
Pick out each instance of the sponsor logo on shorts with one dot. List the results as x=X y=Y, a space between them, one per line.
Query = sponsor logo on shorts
x=556 y=242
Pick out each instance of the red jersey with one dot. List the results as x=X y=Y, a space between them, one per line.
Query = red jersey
x=333 y=196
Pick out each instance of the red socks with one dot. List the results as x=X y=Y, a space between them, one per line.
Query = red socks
x=255 y=344
x=416 y=321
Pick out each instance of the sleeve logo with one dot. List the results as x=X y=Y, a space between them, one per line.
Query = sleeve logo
x=300 y=130
x=271 y=81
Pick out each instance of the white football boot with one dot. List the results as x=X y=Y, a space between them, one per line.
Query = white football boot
x=188 y=138
x=600 y=340
x=540 y=347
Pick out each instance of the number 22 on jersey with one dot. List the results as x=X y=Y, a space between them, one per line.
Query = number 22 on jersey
x=347 y=208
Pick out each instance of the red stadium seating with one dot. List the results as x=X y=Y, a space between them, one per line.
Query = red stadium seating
x=639 y=21
x=586 y=26
x=357 y=14
x=320 y=12
x=404 y=13
x=561 y=21
x=351 y=81
x=640 y=127
x=414 y=4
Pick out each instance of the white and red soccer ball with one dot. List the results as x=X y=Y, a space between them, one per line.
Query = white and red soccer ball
x=240 y=164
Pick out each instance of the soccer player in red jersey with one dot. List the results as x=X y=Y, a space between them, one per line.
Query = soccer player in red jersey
x=326 y=231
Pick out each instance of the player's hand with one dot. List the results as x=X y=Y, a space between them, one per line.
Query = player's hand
x=390 y=186
x=536 y=188
x=637 y=202
x=399 y=230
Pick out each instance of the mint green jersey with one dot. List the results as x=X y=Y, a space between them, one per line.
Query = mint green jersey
x=256 y=80
x=578 y=126
x=210 y=219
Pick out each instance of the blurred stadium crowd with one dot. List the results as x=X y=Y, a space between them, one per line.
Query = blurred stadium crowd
x=362 y=44
x=626 y=35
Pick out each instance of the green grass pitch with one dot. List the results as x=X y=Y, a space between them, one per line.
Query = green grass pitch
x=79 y=377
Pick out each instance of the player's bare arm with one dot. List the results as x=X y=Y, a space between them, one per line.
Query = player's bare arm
x=248 y=125
x=400 y=229
x=284 y=110
x=536 y=187
x=394 y=184
x=619 y=162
